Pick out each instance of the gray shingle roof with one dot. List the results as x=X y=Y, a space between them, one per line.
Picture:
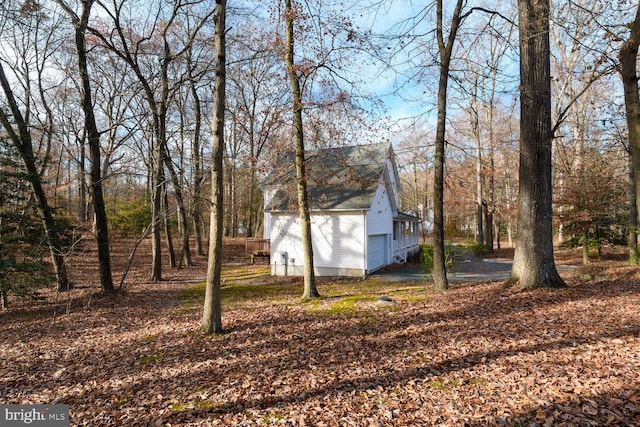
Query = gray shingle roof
x=344 y=178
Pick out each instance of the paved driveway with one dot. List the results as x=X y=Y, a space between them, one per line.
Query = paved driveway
x=466 y=268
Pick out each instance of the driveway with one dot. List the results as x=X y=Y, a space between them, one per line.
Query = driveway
x=466 y=268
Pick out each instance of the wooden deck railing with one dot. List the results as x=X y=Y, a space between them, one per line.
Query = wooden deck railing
x=258 y=246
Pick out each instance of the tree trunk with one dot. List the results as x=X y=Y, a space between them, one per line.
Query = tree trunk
x=585 y=247
x=628 y=58
x=156 y=214
x=488 y=228
x=93 y=139
x=166 y=217
x=634 y=253
x=479 y=204
x=23 y=143
x=475 y=128
x=491 y=190
x=252 y=196
x=196 y=217
x=233 y=200
x=82 y=189
x=439 y=265
x=310 y=290
x=212 y=313
x=445 y=50
x=196 y=204
x=533 y=263
x=185 y=257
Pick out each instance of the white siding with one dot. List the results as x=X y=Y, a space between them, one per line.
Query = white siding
x=338 y=242
x=266 y=233
x=380 y=216
x=379 y=230
x=285 y=238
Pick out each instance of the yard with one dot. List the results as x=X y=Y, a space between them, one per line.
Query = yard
x=474 y=355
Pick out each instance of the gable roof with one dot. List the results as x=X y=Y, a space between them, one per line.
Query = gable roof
x=344 y=178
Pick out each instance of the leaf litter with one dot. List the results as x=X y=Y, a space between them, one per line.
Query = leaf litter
x=475 y=355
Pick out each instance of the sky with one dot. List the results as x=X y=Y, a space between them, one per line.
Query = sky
x=388 y=83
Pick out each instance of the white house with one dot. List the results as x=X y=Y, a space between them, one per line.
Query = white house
x=356 y=227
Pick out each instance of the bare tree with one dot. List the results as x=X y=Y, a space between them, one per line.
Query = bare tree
x=17 y=124
x=628 y=70
x=130 y=47
x=212 y=313
x=80 y=24
x=20 y=137
x=484 y=57
x=256 y=108
x=196 y=156
x=310 y=289
x=533 y=263
x=445 y=51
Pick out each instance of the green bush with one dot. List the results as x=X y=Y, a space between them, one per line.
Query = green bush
x=426 y=257
x=476 y=248
x=132 y=218
x=23 y=278
x=23 y=248
x=23 y=255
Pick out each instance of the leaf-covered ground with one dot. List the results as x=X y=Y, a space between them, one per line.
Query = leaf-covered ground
x=475 y=355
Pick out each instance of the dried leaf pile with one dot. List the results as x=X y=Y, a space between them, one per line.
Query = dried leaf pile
x=474 y=355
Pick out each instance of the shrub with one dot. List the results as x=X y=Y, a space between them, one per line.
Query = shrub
x=133 y=218
x=23 y=255
x=23 y=248
x=476 y=248
x=426 y=257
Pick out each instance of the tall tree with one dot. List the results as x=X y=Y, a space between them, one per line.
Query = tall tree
x=484 y=58
x=80 y=24
x=17 y=123
x=129 y=50
x=628 y=70
x=196 y=158
x=533 y=263
x=579 y=67
x=310 y=289
x=20 y=137
x=445 y=51
x=212 y=313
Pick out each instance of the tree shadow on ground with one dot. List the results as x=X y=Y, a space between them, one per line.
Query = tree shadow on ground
x=269 y=344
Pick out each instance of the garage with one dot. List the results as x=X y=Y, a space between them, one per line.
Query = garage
x=377 y=252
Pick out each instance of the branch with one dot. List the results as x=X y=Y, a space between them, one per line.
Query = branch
x=489 y=12
x=563 y=113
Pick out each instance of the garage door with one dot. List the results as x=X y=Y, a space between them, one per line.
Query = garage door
x=377 y=251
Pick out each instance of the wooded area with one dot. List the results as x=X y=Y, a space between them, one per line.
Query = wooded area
x=136 y=137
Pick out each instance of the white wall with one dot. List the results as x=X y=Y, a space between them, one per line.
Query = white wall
x=338 y=240
x=380 y=216
x=338 y=243
x=379 y=223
